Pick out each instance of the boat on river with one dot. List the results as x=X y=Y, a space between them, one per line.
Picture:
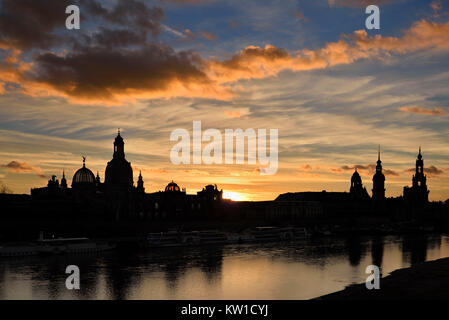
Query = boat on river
x=54 y=246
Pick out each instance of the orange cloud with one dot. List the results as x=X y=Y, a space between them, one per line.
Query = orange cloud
x=419 y=110
x=431 y=171
x=18 y=167
x=368 y=169
x=208 y=35
x=237 y=114
x=256 y=62
x=114 y=76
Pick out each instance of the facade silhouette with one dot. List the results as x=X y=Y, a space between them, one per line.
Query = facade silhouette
x=118 y=198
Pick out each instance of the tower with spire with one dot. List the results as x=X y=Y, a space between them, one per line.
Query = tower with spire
x=118 y=182
x=418 y=192
x=63 y=181
x=378 y=181
x=118 y=171
x=140 y=184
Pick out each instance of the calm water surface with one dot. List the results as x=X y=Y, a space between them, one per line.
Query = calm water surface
x=296 y=270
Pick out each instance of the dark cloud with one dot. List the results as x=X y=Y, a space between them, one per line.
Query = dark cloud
x=108 y=38
x=431 y=171
x=30 y=23
x=103 y=74
x=369 y=169
x=130 y=13
x=26 y=24
x=23 y=167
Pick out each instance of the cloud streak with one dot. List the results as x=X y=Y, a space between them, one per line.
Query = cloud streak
x=420 y=110
x=23 y=167
x=369 y=169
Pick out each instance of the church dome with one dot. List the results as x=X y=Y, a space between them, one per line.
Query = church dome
x=356 y=177
x=83 y=176
x=119 y=172
x=172 y=186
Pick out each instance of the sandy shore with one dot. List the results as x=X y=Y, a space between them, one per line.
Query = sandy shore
x=428 y=280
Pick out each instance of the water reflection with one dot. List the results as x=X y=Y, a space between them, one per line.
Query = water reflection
x=296 y=270
x=377 y=250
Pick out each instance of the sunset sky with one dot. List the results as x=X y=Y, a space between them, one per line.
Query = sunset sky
x=334 y=90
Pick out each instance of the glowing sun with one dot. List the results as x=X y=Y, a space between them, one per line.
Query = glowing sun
x=235 y=196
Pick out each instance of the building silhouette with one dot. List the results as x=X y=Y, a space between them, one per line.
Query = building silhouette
x=119 y=183
x=378 y=183
x=418 y=193
x=357 y=190
x=118 y=199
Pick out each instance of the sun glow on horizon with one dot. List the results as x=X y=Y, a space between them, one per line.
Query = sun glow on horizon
x=234 y=196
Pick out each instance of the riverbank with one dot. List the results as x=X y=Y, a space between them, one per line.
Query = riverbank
x=424 y=281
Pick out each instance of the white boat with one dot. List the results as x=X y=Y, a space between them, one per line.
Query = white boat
x=270 y=234
x=172 y=239
x=54 y=246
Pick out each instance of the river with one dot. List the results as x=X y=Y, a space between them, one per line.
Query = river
x=294 y=270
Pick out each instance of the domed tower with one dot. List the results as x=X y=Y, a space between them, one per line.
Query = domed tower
x=378 y=181
x=119 y=171
x=172 y=187
x=357 y=190
x=356 y=180
x=118 y=182
x=83 y=178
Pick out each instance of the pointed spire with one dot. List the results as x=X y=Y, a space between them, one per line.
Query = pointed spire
x=378 y=155
x=118 y=131
x=63 y=174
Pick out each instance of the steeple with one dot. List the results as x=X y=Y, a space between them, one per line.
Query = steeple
x=418 y=193
x=97 y=179
x=140 y=186
x=119 y=146
x=419 y=164
x=63 y=180
x=379 y=162
x=378 y=181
